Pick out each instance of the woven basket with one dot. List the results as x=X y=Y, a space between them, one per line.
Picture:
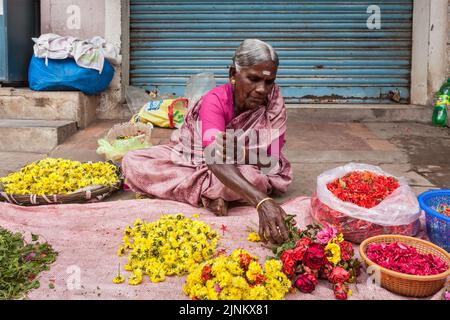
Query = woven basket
x=407 y=284
x=85 y=195
x=129 y=129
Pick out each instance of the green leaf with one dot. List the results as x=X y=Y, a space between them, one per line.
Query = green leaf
x=21 y=263
x=34 y=237
x=342 y=184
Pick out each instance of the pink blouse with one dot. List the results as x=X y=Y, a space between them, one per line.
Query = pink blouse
x=216 y=112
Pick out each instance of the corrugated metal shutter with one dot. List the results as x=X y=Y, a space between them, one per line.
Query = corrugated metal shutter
x=327 y=53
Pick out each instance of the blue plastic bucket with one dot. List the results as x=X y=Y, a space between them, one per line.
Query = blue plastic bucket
x=438 y=225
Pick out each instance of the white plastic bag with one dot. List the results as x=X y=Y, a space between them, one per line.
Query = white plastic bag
x=136 y=98
x=197 y=86
x=399 y=208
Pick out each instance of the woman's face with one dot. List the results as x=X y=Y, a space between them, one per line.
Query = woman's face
x=253 y=85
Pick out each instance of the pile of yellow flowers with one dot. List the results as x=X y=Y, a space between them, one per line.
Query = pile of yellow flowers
x=172 y=245
x=52 y=176
x=237 y=277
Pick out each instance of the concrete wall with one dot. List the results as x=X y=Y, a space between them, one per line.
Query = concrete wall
x=80 y=18
x=85 y=19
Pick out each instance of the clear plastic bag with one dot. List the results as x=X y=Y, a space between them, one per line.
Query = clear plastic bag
x=398 y=213
x=197 y=86
x=136 y=98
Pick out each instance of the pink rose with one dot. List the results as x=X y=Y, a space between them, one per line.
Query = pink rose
x=314 y=256
x=306 y=283
x=326 y=235
x=338 y=275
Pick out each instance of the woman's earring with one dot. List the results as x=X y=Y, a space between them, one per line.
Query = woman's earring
x=233 y=82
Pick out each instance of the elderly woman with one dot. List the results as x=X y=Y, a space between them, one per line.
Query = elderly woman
x=229 y=148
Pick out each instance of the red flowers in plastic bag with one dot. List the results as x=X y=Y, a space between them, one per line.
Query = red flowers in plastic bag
x=403 y=258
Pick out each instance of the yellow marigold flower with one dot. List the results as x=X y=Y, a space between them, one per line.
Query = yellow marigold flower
x=335 y=251
x=118 y=279
x=136 y=277
x=196 y=215
x=121 y=251
x=254 y=237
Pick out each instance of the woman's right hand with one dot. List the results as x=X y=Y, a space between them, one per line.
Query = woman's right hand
x=272 y=226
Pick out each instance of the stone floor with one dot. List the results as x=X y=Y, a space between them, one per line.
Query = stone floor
x=419 y=152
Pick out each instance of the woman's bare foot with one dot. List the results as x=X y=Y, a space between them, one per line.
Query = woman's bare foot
x=218 y=206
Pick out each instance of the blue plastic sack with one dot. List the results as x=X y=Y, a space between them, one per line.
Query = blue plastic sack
x=66 y=75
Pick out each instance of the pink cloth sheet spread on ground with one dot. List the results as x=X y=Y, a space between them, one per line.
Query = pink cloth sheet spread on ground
x=87 y=237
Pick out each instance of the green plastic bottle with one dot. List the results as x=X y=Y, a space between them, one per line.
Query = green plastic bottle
x=439 y=117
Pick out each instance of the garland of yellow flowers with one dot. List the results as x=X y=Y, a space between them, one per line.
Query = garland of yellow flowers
x=53 y=176
x=235 y=277
x=172 y=245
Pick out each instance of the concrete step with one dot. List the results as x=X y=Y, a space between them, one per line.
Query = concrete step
x=360 y=112
x=23 y=103
x=40 y=136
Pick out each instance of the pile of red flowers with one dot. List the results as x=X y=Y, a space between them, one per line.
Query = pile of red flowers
x=403 y=258
x=363 y=188
x=317 y=253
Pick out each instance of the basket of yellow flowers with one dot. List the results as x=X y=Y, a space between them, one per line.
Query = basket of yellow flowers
x=57 y=181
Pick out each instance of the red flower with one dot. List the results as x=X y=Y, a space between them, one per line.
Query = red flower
x=314 y=256
x=206 y=273
x=299 y=253
x=346 y=250
x=288 y=266
x=305 y=241
x=300 y=248
x=223 y=228
x=338 y=275
x=325 y=271
x=286 y=255
x=260 y=279
x=245 y=260
x=340 y=291
x=306 y=283
x=289 y=271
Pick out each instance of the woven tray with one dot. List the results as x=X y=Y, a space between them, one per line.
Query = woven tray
x=407 y=284
x=92 y=193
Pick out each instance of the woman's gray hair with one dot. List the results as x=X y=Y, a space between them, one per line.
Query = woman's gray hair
x=252 y=52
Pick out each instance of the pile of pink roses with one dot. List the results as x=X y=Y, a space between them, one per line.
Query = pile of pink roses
x=317 y=253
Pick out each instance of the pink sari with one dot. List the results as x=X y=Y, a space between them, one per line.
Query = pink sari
x=178 y=171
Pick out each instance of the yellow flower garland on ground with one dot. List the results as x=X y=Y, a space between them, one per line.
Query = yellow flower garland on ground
x=52 y=176
x=172 y=245
x=237 y=277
